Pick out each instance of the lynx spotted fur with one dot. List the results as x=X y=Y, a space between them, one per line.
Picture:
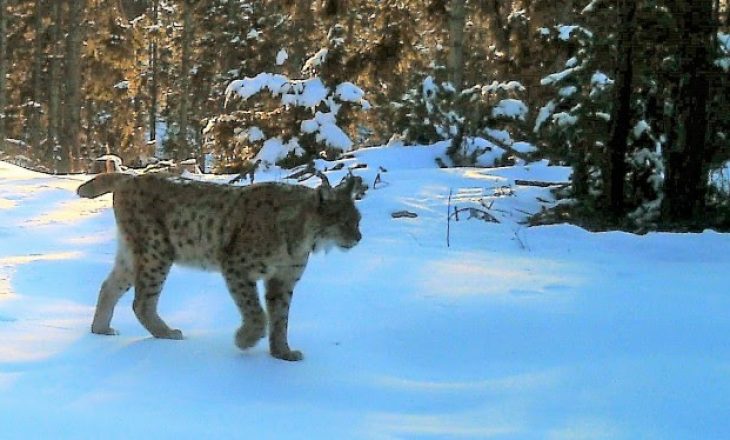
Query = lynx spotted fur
x=264 y=232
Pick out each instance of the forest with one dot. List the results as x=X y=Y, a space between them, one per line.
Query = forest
x=633 y=95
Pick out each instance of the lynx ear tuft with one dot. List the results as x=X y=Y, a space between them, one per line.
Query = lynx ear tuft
x=352 y=186
x=323 y=178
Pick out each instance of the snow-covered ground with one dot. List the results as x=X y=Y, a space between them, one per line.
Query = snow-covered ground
x=511 y=332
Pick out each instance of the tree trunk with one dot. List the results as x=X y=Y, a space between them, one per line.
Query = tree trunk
x=153 y=73
x=34 y=119
x=183 y=148
x=457 y=22
x=72 y=125
x=500 y=29
x=3 y=71
x=621 y=115
x=302 y=24
x=54 y=149
x=688 y=154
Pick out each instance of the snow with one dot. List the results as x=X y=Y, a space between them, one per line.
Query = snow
x=429 y=89
x=720 y=178
x=333 y=136
x=567 y=92
x=316 y=60
x=254 y=34
x=600 y=79
x=349 y=92
x=559 y=76
x=302 y=93
x=275 y=149
x=501 y=136
x=255 y=134
x=281 y=57
x=566 y=31
x=306 y=93
x=247 y=87
x=511 y=332
x=509 y=86
x=324 y=125
x=640 y=128
x=524 y=147
x=591 y=7
x=724 y=45
x=510 y=108
x=310 y=94
x=544 y=114
x=309 y=126
x=564 y=119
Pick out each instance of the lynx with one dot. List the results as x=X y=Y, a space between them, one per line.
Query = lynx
x=263 y=232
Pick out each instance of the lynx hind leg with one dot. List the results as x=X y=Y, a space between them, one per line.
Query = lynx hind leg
x=279 y=291
x=244 y=294
x=117 y=283
x=151 y=271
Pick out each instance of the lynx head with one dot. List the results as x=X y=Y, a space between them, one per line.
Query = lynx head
x=340 y=219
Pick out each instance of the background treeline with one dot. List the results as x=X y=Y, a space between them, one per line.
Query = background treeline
x=632 y=94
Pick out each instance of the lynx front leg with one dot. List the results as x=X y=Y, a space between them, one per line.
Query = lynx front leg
x=243 y=292
x=279 y=292
x=150 y=276
x=116 y=284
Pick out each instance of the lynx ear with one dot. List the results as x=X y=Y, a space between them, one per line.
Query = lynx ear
x=325 y=190
x=323 y=177
x=352 y=186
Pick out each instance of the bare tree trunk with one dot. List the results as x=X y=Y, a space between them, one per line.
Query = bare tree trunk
x=3 y=70
x=153 y=73
x=685 y=185
x=457 y=22
x=72 y=126
x=303 y=22
x=522 y=42
x=34 y=119
x=499 y=27
x=183 y=148
x=54 y=149
x=621 y=114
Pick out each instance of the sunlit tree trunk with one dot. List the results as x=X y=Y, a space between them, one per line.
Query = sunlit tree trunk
x=34 y=118
x=3 y=70
x=74 y=41
x=55 y=151
x=457 y=22
x=184 y=104
x=153 y=54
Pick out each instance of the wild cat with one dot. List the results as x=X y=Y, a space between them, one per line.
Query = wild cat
x=264 y=232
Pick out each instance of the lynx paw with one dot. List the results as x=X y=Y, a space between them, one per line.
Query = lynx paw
x=247 y=337
x=290 y=355
x=170 y=334
x=108 y=331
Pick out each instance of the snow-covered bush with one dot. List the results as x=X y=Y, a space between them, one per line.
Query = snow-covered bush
x=482 y=120
x=285 y=121
x=291 y=120
x=645 y=179
x=574 y=122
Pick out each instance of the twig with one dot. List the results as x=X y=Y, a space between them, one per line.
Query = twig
x=538 y=183
x=475 y=213
x=522 y=244
x=448 y=220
